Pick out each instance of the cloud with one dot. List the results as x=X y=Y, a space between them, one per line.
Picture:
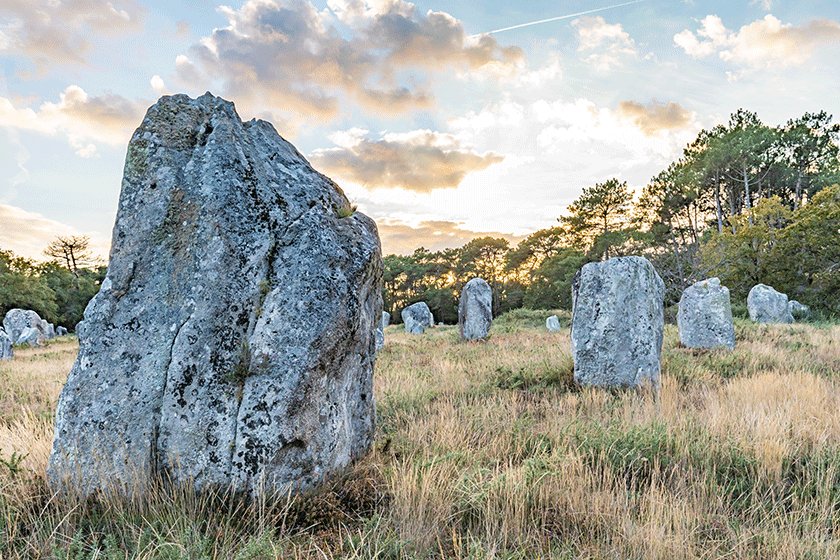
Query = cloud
x=51 y=33
x=158 y=85
x=285 y=54
x=27 y=233
x=611 y=40
x=765 y=43
x=402 y=238
x=182 y=29
x=555 y=148
x=655 y=117
x=419 y=161
x=108 y=118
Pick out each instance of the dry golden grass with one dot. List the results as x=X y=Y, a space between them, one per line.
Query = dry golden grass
x=487 y=451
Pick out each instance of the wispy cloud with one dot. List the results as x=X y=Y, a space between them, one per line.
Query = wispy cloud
x=610 y=41
x=106 y=118
x=762 y=44
x=286 y=54
x=655 y=117
x=51 y=33
x=558 y=18
x=28 y=233
x=419 y=161
x=402 y=238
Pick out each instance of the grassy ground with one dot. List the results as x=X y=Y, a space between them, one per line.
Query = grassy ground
x=488 y=451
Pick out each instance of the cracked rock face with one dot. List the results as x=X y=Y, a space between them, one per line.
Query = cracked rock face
x=475 y=310
x=618 y=324
x=704 y=318
x=233 y=339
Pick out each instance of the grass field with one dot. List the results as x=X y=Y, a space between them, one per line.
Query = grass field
x=488 y=451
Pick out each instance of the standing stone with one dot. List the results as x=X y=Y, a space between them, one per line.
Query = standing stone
x=50 y=330
x=618 y=324
x=60 y=331
x=420 y=313
x=704 y=318
x=798 y=310
x=16 y=320
x=6 y=350
x=412 y=326
x=552 y=323
x=232 y=342
x=386 y=319
x=380 y=338
x=31 y=337
x=475 y=310
x=766 y=305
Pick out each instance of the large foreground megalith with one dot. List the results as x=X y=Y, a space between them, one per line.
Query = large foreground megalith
x=618 y=324
x=232 y=342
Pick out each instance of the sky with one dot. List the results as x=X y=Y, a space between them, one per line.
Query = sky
x=441 y=120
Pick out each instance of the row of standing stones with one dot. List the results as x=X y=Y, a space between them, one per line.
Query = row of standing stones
x=618 y=320
x=262 y=380
x=25 y=327
x=475 y=313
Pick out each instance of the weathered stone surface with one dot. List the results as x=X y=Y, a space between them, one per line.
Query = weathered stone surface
x=798 y=310
x=50 y=330
x=704 y=318
x=552 y=323
x=380 y=338
x=61 y=331
x=386 y=319
x=766 y=305
x=6 y=350
x=419 y=312
x=16 y=320
x=475 y=310
x=412 y=326
x=31 y=336
x=233 y=339
x=618 y=324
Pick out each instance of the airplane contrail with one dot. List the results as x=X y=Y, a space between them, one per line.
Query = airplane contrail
x=556 y=18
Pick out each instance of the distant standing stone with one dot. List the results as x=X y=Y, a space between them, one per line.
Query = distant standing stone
x=60 y=331
x=31 y=336
x=380 y=338
x=386 y=319
x=412 y=326
x=16 y=320
x=766 y=305
x=50 y=334
x=798 y=310
x=704 y=318
x=475 y=310
x=618 y=324
x=552 y=323
x=6 y=350
x=420 y=313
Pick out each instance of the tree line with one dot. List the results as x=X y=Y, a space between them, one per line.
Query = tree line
x=58 y=289
x=746 y=202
